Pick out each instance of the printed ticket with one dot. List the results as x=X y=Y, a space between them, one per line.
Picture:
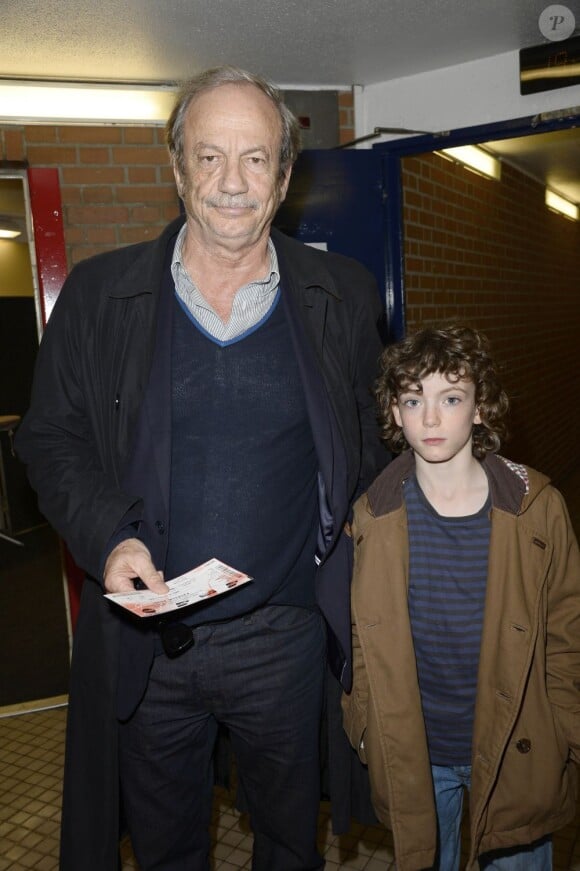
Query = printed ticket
x=212 y=578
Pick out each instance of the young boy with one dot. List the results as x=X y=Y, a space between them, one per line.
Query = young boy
x=466 y=621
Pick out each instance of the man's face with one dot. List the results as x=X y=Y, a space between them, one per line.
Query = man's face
x=231 y=186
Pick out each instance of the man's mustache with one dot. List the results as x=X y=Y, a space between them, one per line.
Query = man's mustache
x=226 y=202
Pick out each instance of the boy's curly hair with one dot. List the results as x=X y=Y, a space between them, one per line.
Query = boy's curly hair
x=457 y=351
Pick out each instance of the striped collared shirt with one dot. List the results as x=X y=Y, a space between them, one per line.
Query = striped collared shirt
x=251 y=303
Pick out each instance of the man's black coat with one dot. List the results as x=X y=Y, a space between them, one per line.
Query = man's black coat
x=99 y=419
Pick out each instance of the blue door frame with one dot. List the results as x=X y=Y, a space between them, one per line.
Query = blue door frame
x=392 y=154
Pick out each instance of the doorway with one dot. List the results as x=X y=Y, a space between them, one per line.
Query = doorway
x=34 y=626
x=489 y=252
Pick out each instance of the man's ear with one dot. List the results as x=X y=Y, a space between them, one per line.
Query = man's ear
x=177 y=175
x=284 y=182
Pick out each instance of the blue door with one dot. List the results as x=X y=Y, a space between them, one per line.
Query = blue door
x=337 y=201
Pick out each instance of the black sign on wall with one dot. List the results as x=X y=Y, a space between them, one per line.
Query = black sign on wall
x=549 y=66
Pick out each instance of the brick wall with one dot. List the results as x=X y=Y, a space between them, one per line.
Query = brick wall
x=116 y=183
x=491 y=254
x=345 y=117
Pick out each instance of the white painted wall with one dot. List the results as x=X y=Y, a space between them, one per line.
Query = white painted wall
x=465 y=95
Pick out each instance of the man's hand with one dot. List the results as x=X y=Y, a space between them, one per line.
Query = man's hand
x=130 y=560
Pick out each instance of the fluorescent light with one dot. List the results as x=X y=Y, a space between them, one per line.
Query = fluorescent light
x=9 y=228
x=558 y=204
x=41 y=102
x=476 y=159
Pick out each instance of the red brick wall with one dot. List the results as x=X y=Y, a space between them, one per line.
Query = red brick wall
x=116 y=183
x=346 y=117
x=491 y=254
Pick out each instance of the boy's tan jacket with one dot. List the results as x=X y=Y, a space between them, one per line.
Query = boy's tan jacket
x=527 y=715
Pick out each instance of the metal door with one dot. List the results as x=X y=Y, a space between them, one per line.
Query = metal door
x=337 y=200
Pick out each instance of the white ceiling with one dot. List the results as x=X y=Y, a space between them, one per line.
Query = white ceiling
x=327 y=43
x=293 y=42
x=553 y=158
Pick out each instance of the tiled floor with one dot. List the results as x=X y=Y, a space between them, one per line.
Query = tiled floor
x=31 y=752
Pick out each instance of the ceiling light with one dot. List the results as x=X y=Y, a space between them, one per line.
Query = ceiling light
x=68 y=102
x=475 y=159
x=558 y=204
x=9 y=229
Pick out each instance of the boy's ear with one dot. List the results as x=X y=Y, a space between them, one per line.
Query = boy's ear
x=397 y=413
x=477 y=416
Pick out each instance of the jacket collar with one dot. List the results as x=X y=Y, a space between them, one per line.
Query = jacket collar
x=508 y=484
x=144 y=267
x=302 y=263
x=309 y=270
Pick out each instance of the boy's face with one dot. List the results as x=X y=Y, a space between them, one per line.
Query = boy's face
x=438 y=422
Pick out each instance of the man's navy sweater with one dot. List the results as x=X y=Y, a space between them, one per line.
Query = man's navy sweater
x=243 y=465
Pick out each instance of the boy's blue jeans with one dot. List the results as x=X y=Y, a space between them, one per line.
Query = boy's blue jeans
x=449 y=783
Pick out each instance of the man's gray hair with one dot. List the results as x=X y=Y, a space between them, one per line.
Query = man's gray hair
x=228 y=75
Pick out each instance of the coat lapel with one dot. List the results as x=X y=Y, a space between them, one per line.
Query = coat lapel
x=157 y=405
x=148 y=471
x=327 y=439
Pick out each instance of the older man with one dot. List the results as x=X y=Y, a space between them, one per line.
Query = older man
x=206 y=395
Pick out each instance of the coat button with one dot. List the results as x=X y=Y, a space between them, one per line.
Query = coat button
x=524 y=745
x=160 y=527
